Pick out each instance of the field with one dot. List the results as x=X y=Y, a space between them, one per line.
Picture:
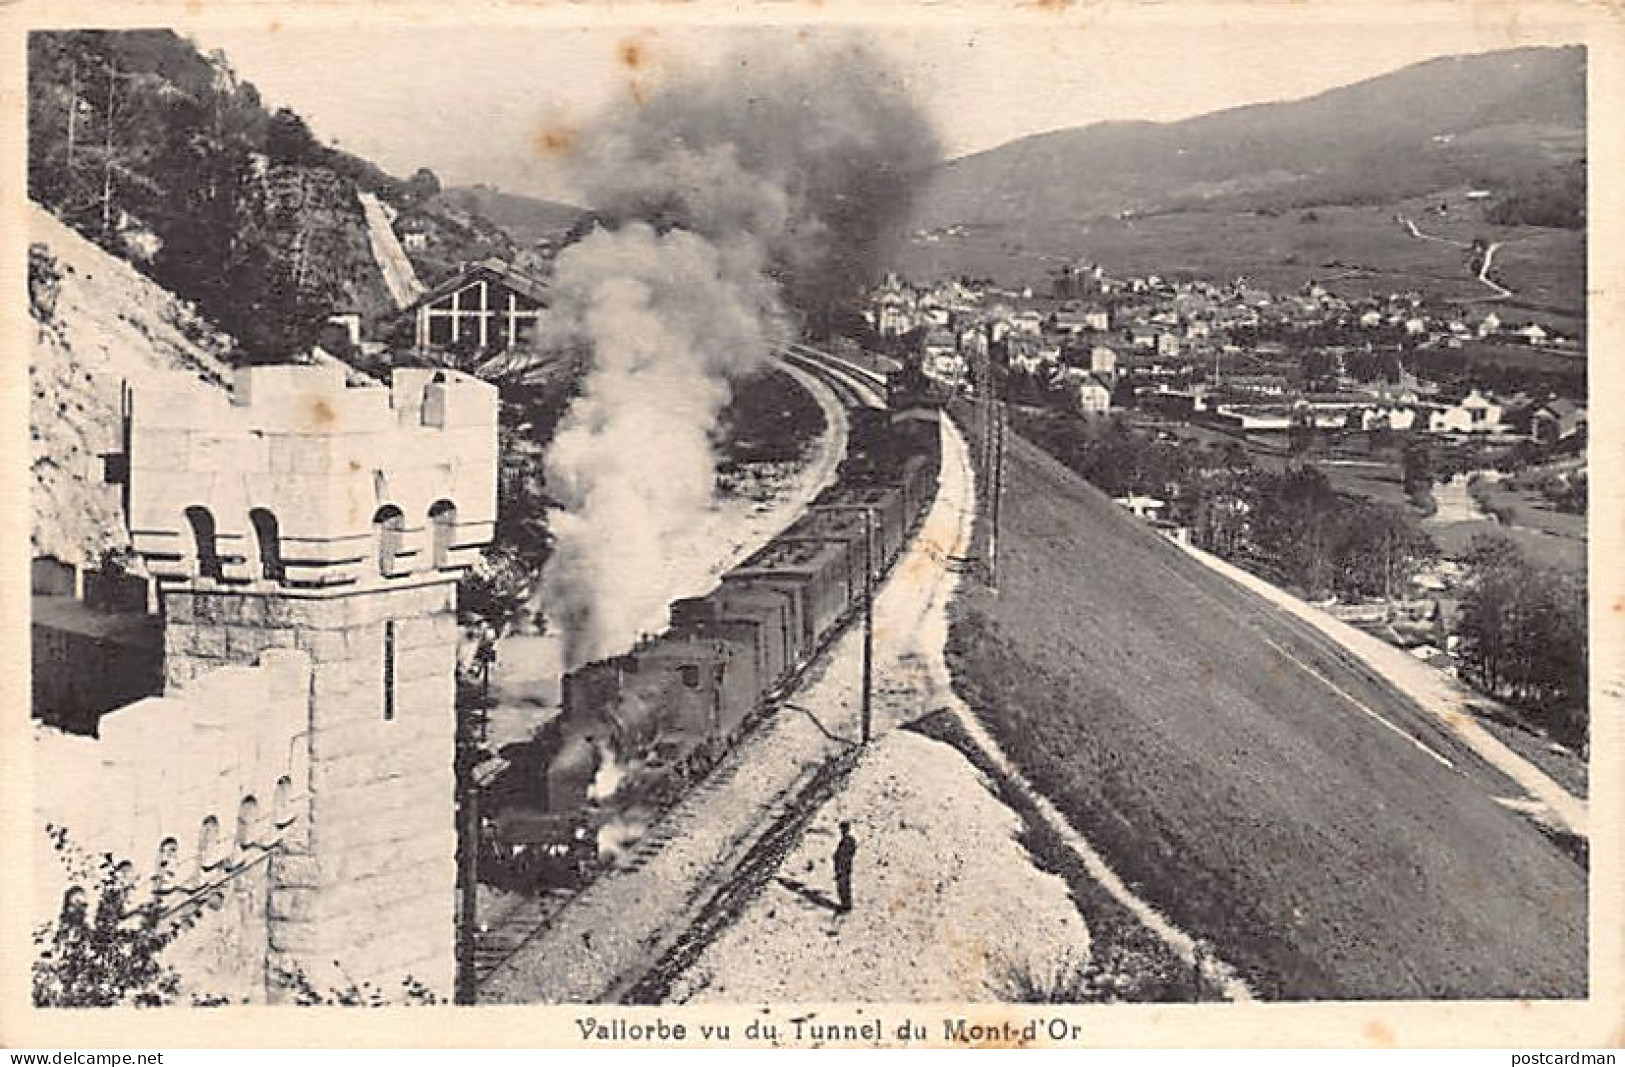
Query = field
x=1355 y=251
x=1193 y=733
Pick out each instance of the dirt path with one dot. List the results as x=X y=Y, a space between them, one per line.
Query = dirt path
x=1501 y=292
x=1434 y=691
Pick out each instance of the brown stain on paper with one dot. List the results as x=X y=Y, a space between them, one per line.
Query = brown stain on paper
x=631 y=54
x=554 y=139
x=322 y=415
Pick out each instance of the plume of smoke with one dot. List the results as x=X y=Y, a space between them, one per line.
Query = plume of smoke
x=727 y=196
x=812 y=147
x=670 y=317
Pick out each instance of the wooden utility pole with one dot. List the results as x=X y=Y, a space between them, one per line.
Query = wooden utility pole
x=868 y=623
x=468 y=834
x=992 y=465
x=866 y=707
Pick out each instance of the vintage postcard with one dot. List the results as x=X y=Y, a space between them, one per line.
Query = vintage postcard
x=813 y=525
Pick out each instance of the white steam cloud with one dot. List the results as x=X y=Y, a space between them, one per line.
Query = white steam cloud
x=727 y=198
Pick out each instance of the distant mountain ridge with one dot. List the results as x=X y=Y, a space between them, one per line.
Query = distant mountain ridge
x=1488 y=119
x=526 y=218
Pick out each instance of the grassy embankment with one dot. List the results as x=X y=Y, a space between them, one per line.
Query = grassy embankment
x=1211 y=748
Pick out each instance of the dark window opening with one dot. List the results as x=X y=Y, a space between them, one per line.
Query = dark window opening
x=389 y=524
x=690 y=675
x=248 y=823
x=208 y=844
x=443 y=521
x=205 y=543
x=269 y=540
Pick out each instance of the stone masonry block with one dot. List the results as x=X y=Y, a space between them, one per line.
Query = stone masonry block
x=245 y=643
x=355 y=785
x=345 y=739
x=296 y=869
x=390 y=891
x=324 y=646
x=420 y=851
x=280 y=637
x=293 y=905
x=296 y=937
x=178 y=608
x=388 y=961
x=424 y=663
x=206 y=608
x=207 y=641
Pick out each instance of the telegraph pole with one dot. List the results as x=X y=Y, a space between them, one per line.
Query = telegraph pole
x=468 y=818
x=868 y=621
x=992 y=448
x=866 y=707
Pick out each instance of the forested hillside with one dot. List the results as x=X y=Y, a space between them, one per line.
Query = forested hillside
x=166 y=158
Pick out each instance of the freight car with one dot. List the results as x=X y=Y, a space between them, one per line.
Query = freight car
x=636 y=730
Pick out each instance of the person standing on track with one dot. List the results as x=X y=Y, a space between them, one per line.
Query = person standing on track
x=845 y=851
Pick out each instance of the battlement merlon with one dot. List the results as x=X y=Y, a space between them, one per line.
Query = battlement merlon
x=310 y=483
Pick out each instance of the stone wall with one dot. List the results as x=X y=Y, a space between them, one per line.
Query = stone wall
x=369 y=880
x=194 y=789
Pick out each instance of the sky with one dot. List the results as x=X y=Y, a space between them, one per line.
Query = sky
x=471 y=99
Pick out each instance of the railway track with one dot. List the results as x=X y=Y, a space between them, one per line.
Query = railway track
x=523 y=920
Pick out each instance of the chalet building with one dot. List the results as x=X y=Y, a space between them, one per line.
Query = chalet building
x=486 y=305
x=1557 y=421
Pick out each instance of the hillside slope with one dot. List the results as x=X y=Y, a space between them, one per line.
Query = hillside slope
x=98 y=324
x=1492 y=118
x=527 y=218
x=1230 y=764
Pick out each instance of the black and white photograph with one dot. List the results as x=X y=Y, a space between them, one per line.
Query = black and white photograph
x=731 y=508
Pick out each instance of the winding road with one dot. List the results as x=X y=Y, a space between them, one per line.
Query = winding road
x=1501 y=292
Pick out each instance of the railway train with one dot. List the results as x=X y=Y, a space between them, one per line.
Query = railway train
x=635 y=730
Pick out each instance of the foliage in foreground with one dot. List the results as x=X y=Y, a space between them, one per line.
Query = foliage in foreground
x=105 y=950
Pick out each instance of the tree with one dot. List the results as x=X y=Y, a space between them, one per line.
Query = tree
x=102 y=950
x=421 y=186
x=1523 y=635
x=1416 y=466
x=289 y=140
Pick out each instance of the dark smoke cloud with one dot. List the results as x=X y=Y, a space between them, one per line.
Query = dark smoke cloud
x=725 y=195
x=811 y=147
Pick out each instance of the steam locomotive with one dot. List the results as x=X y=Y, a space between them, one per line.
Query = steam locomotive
x=637 y=729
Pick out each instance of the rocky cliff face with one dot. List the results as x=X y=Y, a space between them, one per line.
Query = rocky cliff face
x=97 y=324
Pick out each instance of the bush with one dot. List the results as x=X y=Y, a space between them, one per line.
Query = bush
x=1113 y=974
x=102 y=950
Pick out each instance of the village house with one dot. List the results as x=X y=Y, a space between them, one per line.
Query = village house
x=1384 y=417
x=1068 y=323
x=1029 y=323
x=1142 y=336
x=942 y=359
x=1025 y=355
x=1534 y=333
x=1475 y=413
x=1094 y=395
x=1557 y=420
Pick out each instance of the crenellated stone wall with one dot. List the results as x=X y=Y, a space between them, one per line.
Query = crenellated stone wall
x=197 y=791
